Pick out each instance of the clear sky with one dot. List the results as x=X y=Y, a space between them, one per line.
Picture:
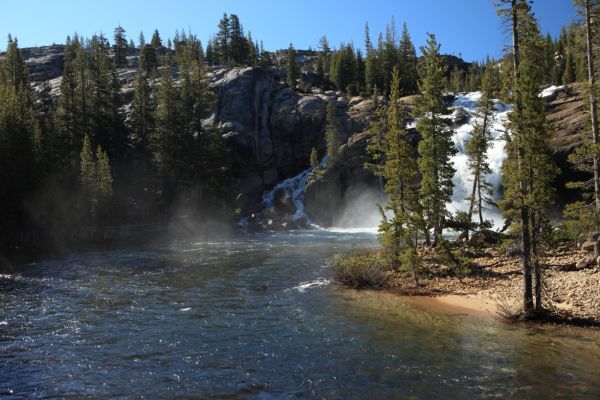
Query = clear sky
x=467 y=27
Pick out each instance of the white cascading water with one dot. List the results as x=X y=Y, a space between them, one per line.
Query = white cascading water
x=463 y=180
x=295 y=187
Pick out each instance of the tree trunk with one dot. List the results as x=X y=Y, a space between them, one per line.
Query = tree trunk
x=525 y=239
x=472 y=200
x=593 y=111
x=537 y=268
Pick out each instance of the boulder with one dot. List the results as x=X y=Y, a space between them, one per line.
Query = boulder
x=588 y=246
x=460 y=116
x=585 y=262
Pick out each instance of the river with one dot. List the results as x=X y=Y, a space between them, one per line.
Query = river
x=255 y=316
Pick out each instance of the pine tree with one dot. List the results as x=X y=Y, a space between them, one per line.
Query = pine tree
x=476 y=149
x=436 y=146
x=156 y=41
x=166 y=144
x=528 y=170
x=569 y=72
x=343 y=68
x=333 y=135
x=389 y=54
x=400 y=232
x=252 y=56
x=407 y=63
x=238 y=44
x=359 y=71
x=265 y=57
x=120 y=47
x=104 y=183
x=223 y=40
x=19 y=147
x=15 y=71
x=87 y=174
x=291 y=67
x=148 y=61
x=370 y=63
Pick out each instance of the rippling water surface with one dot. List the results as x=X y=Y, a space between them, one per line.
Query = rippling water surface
x=256 y=317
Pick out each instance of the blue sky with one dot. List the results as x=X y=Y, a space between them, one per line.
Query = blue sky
x=467 y=27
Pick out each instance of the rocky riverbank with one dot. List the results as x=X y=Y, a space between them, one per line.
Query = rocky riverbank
x=492 y=284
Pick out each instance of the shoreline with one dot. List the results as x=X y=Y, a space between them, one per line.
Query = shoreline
x=473 y=305
x=491 y=287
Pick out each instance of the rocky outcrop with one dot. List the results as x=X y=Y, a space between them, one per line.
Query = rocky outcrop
x=44 y=63
x=271 y=129
x=567 y=115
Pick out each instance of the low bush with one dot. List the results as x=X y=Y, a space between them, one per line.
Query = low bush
x=361 y=270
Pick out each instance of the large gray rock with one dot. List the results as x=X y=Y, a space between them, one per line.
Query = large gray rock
x=270 y=128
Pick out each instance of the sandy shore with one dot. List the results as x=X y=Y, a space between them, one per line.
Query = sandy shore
x=494 y=284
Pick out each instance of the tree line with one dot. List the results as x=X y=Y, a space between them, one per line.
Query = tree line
x=81 y=159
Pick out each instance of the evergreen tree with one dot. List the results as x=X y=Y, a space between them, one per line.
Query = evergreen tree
x=476 y=149
x=148 y=61
x=96 y=179
x=323 y=59
x=252 y=56
x=265 y=57
x=528 y=170
x=333 y=135
x=223 y=40
x=399 y=234
x=142 y=40
x=371 y=76
x=436 y=146
x=120 y=47
x=407 y=63
x=360 y=71
x=291 y=67
x=238 y=44
x=15 y=71
x=569 y=71
x=19 y=147
x=165 y=143
x=343 y=67
x=156 y=41
x=87 y=168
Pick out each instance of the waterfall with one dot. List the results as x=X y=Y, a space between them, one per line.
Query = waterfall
x=294 y=187
x=463 y=106
x=463 y=180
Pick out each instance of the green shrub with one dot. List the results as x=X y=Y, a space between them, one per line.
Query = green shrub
x=360 y=270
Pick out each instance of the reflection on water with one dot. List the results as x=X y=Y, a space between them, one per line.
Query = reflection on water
x=257 y=317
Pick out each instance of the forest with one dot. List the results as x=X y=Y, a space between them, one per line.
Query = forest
x=81 y=160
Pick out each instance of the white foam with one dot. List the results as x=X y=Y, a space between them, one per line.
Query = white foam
x=372 y=230
x=303 y=286
x=295 y=187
